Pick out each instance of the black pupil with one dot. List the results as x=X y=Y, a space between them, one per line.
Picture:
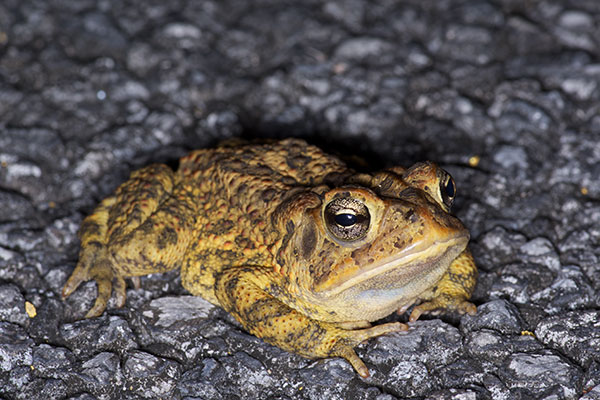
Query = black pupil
x=345 y=219
x=450 y=190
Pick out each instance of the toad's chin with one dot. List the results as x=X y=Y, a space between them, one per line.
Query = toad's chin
x=384 y=287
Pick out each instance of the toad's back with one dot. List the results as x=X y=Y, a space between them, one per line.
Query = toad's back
x=253 y=174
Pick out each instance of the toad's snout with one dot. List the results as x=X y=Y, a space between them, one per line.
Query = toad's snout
x=419 y=224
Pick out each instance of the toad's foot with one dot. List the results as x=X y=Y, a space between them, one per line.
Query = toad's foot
x=345 y=341
x=440 y=303
x=95 y=264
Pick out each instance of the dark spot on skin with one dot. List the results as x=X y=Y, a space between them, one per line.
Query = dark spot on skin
x=289 y=227
x=168 y=236
x=221 y=227
x=90 y=227
x=267 y=195
x=231 y=284
x=117 y=233
x=234 y=165
x=288 y=180
x=257 y=170
x=244 y=243
x=342 y=195
x=147 y=228
x=95 y=243
x=410 y=216
x=242 y=189
x=298 y=161
x=280 y=259
x=226 y=255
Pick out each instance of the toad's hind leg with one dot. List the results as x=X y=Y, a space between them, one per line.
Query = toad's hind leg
x=454 y=289
x=142 y=228
x=243 y=291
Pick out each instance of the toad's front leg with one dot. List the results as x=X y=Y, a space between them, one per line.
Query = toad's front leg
x=242 y=291
x=453 y=291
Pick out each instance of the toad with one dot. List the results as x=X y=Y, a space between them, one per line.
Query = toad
x=304 y=252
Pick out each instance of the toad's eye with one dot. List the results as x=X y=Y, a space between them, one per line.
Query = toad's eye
x=347 y=219
x=448 y=190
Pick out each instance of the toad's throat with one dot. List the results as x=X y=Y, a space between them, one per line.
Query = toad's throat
x=426 y=259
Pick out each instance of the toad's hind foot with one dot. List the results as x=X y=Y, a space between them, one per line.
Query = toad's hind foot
x=95 y=264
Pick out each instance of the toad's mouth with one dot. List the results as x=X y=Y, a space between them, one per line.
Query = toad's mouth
x=421 y=264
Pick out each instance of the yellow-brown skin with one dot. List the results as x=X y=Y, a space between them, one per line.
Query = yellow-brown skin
x=303 y=251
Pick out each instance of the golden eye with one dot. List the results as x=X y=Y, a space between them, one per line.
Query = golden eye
x=347 y=219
